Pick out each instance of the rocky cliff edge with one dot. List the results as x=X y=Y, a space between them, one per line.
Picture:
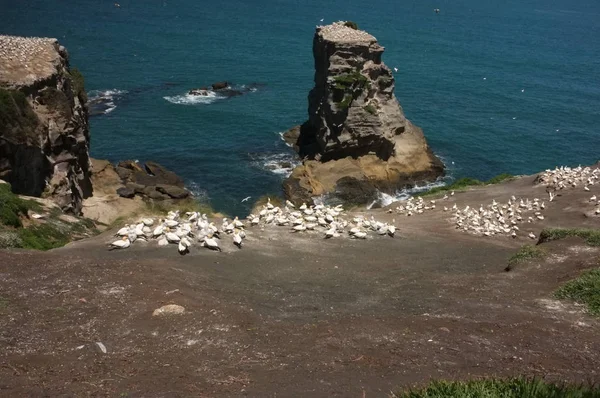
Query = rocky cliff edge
x=44 y=134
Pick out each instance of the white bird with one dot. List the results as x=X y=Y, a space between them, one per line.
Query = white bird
x=123 y=231
x=237 y=240
x=391 y=230
x=172 y=237
x=593 y=198
x=532 y=235
x=289 y=204
x=183 y=249
x=360 y=235
x=158 y=230
x=148 y=222
x=123 y=243
x=36 y=216
x=523 y=90
x=300 y=227
x=212 y=244
x=321 y=20
x=247 y=198
x=395 y=69
x=330 y=233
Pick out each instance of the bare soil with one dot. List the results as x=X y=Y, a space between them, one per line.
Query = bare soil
x=296 y=315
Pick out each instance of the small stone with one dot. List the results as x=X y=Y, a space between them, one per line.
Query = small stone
x=169 y=309
x=101 y=347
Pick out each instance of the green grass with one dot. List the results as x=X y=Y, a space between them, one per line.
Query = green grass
x=185 y=205
x=585 y=290
x=371 y=109
x=42 y=237
x=48 y=234
x=13 y=208
x=351 y=24
x=525 y=253
x=494 y=388
x=350 y=81
x=345 y=103
x=78 y=84
x=591 y=236
x=464 y=183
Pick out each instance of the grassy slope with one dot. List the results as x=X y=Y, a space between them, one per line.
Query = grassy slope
x=465 y=183
x=492 y=388
x=48 y=234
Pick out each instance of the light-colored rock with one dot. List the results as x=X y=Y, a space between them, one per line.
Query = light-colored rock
x=169 y=309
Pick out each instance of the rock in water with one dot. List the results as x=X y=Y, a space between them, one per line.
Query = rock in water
x=44 y=139
x=356 y=127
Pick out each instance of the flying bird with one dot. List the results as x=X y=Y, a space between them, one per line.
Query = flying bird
x=247 y=198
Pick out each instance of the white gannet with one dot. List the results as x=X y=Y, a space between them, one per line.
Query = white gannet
x=212 y=243
x=247 y=198
x=237 y=240
x=289 y=204
x=122 y=243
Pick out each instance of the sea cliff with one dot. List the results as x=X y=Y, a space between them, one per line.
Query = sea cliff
x=356 y=138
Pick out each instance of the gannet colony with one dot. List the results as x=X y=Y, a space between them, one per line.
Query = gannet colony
x=191 y=228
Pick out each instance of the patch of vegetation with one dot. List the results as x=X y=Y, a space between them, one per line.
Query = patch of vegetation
x=525 y=253
x=42 y=237
x=56 y=101
x=350 y=81
x=352 y=25
x=13 y=208
x=494 y=388
x=345 y=103
x=591 y=236
x=162 y=207
x=585 y=290
x=47 y=234
x=15 y=113
x=371 y=109
x=78 y=84
x=464 y=183
x=500 y=178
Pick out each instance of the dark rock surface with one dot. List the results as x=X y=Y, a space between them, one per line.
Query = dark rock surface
x=150 y=180
x=44 y=139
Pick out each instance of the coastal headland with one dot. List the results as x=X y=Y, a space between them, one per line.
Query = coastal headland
x=475 y=280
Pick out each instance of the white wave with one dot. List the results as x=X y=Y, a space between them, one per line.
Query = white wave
x=279 y=163
x=384 y=199
x=103 y=101
x=284 y=141
x=189 y=99
x=197 y=192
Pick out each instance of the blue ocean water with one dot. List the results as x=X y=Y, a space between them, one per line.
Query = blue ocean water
x=511 y=86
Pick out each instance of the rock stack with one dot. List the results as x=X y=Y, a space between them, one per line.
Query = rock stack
x=357 y=139
x=44 y=135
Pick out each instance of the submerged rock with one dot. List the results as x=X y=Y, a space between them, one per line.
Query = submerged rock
x=44 y=134
x=356 y=127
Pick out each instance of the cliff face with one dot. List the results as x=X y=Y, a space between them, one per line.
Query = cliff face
x=44 y=134
x=356 y=128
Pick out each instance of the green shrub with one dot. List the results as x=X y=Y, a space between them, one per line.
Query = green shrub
x=345 y=103
x=351 y=24
x=16 y=113
x=591 y=236
x=525 y=253
x=585 y=290
x=495 y=388
x=371 y=109
x=350 y=81
x=78 y=84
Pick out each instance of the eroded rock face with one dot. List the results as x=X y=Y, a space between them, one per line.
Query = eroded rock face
x=355 y=121
x=44 y=134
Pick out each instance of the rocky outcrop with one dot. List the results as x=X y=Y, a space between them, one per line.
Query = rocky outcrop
x=44 y=134
x=356 y=127
x=150 y=180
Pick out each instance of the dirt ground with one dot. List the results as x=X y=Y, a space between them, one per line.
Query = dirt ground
x=295 y=315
